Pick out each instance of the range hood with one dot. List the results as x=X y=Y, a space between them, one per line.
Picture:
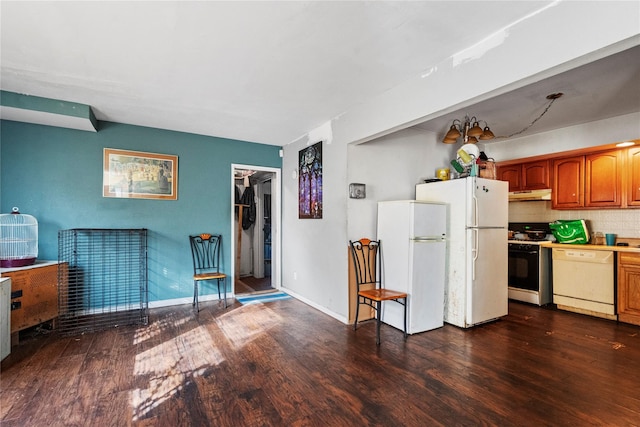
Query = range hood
x=530 y=195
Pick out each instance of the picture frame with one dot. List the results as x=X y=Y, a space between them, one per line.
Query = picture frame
x=139 y=175
x=357 y=190
x=310 y=204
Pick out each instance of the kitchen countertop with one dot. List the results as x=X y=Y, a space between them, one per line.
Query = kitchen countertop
x=631 y=248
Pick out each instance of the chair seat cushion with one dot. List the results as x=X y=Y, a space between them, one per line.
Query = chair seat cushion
x=382 y=294
x=209 y=276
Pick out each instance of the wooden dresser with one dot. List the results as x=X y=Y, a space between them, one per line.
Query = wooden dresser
x=34 y=294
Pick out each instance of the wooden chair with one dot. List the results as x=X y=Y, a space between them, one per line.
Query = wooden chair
x=205 y=250
x=365 y=254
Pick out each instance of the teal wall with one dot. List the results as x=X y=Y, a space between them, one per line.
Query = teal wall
x=55 y=174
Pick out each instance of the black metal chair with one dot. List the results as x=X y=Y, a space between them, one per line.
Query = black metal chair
x=205 y=250
x=365 y=254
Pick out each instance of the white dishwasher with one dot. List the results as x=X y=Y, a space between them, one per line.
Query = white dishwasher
x=583 y=281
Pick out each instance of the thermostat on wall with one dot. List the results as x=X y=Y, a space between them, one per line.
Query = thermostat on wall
x=357 y=191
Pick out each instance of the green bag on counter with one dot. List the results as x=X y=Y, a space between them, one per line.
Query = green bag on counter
x=570 y=231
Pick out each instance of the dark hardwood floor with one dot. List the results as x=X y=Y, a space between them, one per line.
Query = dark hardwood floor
x=287 y=364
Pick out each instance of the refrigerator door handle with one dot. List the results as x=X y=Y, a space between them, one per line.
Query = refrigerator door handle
x=474 y=252
x=475 y=211
x=426 y=239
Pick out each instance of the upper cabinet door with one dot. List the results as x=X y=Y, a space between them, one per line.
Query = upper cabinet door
x=511 y=174
x=568 y=183
x=633 y=177
x=526 y=176
x=603 y=175
x=535 y=175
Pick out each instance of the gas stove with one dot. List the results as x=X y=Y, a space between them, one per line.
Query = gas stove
x=520 y=230
x=529 y=264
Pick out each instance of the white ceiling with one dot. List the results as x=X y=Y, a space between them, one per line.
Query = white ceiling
x=270 y=72
x=601 y=89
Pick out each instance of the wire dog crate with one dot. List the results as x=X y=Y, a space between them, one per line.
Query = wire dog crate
x=102 y=279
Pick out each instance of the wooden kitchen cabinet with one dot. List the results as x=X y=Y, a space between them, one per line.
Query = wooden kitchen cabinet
x=603 y=179
x=568 y=183
x=526 y=176
x=512 y=174
x=633 y=177
x=629 y=287
x=608 y=178
x=34 y=294
x=590 y=181
x=535 y=175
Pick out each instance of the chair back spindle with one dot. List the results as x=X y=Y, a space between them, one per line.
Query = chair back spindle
x=205 y=249
x=365 y=255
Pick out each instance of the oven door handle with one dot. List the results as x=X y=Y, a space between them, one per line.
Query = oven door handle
x=515 y=251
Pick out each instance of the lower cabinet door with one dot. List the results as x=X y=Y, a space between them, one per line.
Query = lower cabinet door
x=629 y=288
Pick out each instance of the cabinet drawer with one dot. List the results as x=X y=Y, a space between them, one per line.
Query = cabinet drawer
x=629 y=258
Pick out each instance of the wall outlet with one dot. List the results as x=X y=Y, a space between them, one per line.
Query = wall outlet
x=295 y=275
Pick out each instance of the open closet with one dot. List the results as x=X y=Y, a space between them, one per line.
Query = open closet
x=252 y=231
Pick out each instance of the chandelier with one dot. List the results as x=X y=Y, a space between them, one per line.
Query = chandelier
x=470 y=131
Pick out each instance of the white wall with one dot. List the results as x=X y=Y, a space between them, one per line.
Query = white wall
x=391 y=167
x=314 y=265
x=542 y=45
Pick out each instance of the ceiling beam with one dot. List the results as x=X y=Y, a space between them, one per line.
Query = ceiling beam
x=44 y=111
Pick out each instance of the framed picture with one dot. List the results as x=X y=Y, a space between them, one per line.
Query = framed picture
x=310 y=182
x=134 y=174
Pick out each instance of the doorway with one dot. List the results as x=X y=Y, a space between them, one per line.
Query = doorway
x=255 y=229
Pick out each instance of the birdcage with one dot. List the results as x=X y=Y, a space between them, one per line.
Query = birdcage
x=18 y=239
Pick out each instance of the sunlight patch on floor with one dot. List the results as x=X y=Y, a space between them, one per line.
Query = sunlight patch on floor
x=247 y=323
x=170 y=366
x=156 y=328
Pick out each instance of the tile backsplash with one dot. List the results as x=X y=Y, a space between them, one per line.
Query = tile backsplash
x=623 y=222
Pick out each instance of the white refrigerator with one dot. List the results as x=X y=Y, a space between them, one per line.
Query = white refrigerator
x=413 y=249
x=476 y=289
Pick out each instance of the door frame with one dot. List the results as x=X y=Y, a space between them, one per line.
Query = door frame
x=276 y=221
